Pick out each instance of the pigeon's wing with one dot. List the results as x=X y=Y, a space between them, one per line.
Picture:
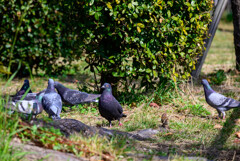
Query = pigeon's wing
x=90 y=97
x=117 y=105
x=23 y=106
x=76 y=97
x=58 y=103
x=222 y=101
x=50 y=102
x=217 y=99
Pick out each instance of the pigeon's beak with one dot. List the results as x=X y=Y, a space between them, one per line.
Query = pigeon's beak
x=103 y=87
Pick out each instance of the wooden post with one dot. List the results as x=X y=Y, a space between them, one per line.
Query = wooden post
x=221 y=4
x=236 y=25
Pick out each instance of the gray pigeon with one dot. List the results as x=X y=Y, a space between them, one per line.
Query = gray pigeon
x=24 y=88
x=31 y=106
x=52 y=102
x=218 y=101
x=109 y=107
x=74 y=97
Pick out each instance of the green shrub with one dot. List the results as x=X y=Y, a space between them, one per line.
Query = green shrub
x=122 y=39
x=33 y=32
x=143 y=39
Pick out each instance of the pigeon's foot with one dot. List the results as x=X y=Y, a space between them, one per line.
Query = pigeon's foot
x=120 y=124
x=110 y=124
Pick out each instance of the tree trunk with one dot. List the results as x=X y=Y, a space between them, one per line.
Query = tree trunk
x=70 y=126
x=221 y=5
x=236 y=24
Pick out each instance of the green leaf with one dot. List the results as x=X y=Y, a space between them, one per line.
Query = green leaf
x=112 y=61
x=169 y=13
x=91 y=2
x=182 y=54
x=135 y=15
x=148 y=70
x=140 y=25
x=155 y=73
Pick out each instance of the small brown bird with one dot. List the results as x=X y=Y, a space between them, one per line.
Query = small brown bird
x=164 y=120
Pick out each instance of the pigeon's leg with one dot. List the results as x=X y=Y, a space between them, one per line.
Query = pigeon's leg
x=120 y=124
x=219 y=114
x=110 y=123
x=224 y=115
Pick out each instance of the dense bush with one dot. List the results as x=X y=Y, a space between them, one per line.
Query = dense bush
x=33 y=32
x=122 y=39
x=144 y=39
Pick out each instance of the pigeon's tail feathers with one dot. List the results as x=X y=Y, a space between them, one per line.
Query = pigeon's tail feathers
x=95 y=100
x=91 y=98
x=124 y=115
x=53 y=109
x=233 y=103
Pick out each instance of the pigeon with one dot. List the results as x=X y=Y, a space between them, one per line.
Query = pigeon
x=24 y=88
x=28 y=107
x=31 y=106
x=109 y=107
x=52 y=102
x=218 y=101
x=74 y=97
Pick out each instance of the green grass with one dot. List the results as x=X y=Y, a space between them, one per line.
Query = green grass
x=8 y=128
x=222 y=48
x=196 y=110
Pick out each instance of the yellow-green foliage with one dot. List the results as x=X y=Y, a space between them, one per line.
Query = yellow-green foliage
x=147 y=39
x=122 y=38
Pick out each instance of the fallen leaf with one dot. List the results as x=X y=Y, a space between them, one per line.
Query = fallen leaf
x=133 y=104
x=209 y=80
x=154 y=105
x=217 y=126
x=167 y=134
x=237 y=134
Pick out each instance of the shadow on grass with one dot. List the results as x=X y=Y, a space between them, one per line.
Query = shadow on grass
x=222 y=137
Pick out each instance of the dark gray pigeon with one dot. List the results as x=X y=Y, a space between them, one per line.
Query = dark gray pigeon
x=109 y=107
x=51 y=101
x=24 y=88
x=218 y=101
x=74 y=97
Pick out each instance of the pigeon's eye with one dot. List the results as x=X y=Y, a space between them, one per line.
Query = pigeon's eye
x=107 y=86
